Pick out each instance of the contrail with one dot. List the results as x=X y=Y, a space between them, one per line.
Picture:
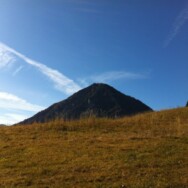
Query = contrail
x=178 y=24
x=60 y=81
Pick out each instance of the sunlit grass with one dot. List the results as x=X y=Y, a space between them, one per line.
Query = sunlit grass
x=146 y=150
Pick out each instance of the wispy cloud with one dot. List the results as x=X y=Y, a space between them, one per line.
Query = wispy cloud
x=17 y=70
x=6 y=58
x=81 y=2
x=61 y=82
x=12 y=102
x=88 y=10
x=110 y=76
x=178 y=24
x=115 y=75
x=11 y=118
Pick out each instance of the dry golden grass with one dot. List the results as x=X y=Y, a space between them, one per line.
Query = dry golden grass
x=147 y=150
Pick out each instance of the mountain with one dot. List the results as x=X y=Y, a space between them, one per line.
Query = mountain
x=100 y=100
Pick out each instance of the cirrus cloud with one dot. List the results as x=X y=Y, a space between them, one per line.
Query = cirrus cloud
x=12 y=102
x=178 y=24
x=110 y=76
x=6 y=58
x=11 y=118
x=61 y=82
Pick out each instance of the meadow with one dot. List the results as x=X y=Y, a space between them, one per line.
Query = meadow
x=143 y=151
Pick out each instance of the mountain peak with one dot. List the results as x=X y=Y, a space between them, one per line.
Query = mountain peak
x=98 y=99
x=99 y=86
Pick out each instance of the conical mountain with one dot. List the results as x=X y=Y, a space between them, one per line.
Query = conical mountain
x=100 y=100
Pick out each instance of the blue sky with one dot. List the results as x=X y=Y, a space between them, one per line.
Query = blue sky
x=50 y=49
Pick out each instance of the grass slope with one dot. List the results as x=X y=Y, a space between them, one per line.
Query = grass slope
x=148 y=150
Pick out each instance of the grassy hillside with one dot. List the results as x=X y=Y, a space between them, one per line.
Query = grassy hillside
x=148 y=150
